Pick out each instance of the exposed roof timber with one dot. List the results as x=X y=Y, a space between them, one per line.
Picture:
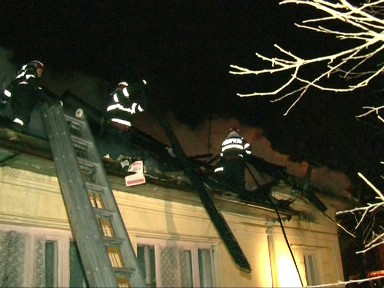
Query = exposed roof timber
x=18 y=149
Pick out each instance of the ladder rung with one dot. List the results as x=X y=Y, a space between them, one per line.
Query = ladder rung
x=88 y=169
x=74 y=120
x=84 y=161
x=81 y=147
x=113 y=242
x=95 y=187
x=75 y=126
x=78 y=139
x=124 y=271
x=104 y=212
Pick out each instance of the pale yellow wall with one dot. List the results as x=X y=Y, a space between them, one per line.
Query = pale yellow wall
x=251 y=236
x=33 y=199
x=317 y=238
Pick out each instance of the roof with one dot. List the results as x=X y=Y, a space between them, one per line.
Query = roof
x=162 y=167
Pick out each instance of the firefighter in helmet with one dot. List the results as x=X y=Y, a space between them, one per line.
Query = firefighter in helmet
x=127 y=100
x=234 y=150
x=23 y=93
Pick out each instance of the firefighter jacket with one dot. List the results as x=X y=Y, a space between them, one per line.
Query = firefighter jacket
x=27 y=75
x=125 y=102
x=233 y=149
x=23 y=93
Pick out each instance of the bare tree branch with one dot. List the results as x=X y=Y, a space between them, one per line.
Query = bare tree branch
x=363 y=25
x=359 y=281
x=361 y=213
x=356 y=65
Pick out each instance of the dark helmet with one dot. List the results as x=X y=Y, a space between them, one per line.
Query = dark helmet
x=38 y=64
x=122 y=85
x=233 y=132
x=138 y=92
x=235 y=129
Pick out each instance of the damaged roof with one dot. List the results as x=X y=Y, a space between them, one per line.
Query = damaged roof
x=161 y=167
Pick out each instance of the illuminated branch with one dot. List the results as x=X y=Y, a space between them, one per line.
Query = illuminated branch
x=359 y=281
x=368 y=26
x=356 y=65
x=376 y=238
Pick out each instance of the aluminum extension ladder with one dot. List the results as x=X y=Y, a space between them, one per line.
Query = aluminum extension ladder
x=97 y=226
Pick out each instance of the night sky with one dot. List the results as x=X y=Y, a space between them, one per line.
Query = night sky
x=184 y=50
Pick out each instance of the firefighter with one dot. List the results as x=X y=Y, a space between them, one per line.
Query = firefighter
x=234 y=151
x=23 y=93
x=127 y=99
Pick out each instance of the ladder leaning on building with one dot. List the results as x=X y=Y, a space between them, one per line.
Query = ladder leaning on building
x=97 y=226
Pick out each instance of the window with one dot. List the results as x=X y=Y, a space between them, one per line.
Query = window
x=205 y=267
x=39 y=257
x=51 y=264
x=146 y=258
x=310 y=269
x=28 y=259
x=175 y=267
x=176 y=264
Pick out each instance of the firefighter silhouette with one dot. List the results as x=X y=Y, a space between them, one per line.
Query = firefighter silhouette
x=23 y=93
x=126 y=101
x=234 y=151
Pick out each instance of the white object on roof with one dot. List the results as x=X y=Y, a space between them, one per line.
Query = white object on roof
x=138 y=177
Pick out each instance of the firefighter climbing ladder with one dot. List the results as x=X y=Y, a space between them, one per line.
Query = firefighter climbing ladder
x=105 y=249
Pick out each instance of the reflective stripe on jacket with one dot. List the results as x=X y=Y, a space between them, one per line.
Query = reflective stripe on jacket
x=235 y=147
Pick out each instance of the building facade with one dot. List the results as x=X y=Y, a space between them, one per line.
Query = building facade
x=172 y=234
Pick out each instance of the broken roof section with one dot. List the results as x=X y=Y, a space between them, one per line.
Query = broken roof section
x=161 y=167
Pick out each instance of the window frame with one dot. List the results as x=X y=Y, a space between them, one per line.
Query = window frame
x=60 y=237
x=310 y=261
x=191 y=246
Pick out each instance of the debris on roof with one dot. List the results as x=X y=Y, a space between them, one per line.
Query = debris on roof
x=161 y=167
